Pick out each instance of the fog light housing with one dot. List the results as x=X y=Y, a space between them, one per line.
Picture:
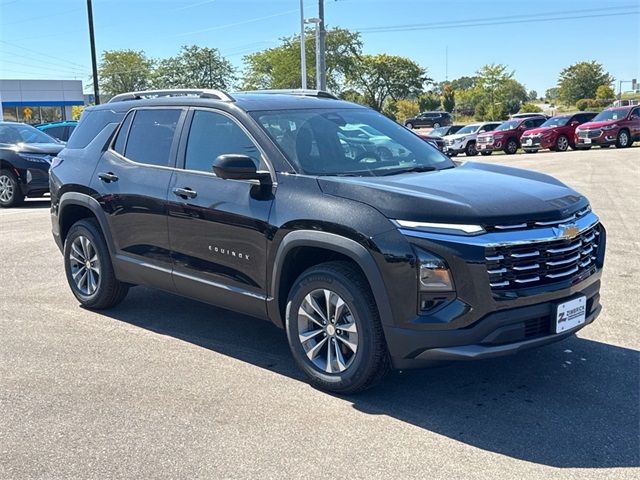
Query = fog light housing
x=433 y=273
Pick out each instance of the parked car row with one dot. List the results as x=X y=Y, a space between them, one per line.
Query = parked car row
x=619 y=126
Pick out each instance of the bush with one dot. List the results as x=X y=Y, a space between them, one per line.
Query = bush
x=406 y=109
x=529 y=108
x=583 y=104
x=592 y=104
x=428 y=101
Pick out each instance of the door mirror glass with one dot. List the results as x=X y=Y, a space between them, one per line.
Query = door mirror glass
x=237 y=167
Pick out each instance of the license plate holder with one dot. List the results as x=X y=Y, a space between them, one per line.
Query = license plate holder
x=587 y=140
x=570 y=314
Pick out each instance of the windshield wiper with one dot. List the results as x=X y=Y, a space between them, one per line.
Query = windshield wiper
x=423 y=168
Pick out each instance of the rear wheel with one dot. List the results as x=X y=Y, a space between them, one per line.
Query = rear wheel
x=511 y=147
x=470 y=150
x=409 y=125
x=10 y=193
x=334 y=329
x=436 y=125
x=88 y=267
x=562 y=143
x=623 y=140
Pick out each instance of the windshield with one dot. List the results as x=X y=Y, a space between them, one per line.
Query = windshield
x=21 y=133
x=555 y=122
x=440 y=131
x=469 y=128
x=333 y=142
x=616 y=114
x=510 y=125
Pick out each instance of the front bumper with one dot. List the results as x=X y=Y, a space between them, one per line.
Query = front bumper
x=490 y=147
x=606 y=137
x=454 y=149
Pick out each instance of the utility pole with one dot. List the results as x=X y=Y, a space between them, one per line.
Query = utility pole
x=303 y=53
x=94 y=62
x=321 y=64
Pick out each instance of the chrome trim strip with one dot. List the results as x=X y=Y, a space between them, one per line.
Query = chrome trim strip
x=527 y=280
x=497 y=271
x=508 y=227
x=564 y=249
x=499 y=284
x=564 y=262
x=526 y=267
x=525 y=255
x=562 y=274
x=494 y=258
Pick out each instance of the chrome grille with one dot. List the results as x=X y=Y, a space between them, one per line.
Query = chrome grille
x=589 y=133
x=535 y=141
x=528 y=265
x=484 y=140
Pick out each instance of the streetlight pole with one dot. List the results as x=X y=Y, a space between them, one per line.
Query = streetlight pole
x=303 y=53
x=321 y=64
x=94 y=63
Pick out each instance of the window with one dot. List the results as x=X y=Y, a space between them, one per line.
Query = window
x=151 y=136
x=121 y=139
x=211 y=135
x=636 y=112
x=490 y=126
x=91 y=124
x=57 y=132
x=18 y=133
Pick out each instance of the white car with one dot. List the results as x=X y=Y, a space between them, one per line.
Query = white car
x=464 y=140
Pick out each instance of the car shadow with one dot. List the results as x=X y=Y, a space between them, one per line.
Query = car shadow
x=31 y=203
x=571 y=404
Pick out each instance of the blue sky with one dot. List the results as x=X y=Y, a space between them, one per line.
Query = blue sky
x=49 y=38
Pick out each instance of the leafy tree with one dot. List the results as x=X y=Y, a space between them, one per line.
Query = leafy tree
x=382 y=77
x=552 y=94
x=464 y=83
x=532 y=96
x=279 y=67
x=428 y=101
x=124 y=71
x=529 y=108
x=448 y=98
x=406 y=109
x=581 y=80
x=605 y=92
x=195 y=67
x=492 y=80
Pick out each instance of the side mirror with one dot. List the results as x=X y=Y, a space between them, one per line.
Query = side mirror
x=482 y=131
x=575 y=123
x=238 y=167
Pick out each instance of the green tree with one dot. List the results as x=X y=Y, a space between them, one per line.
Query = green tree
x=529 y=108
x=464 y=83
x=124 y=71
x=406 y=109
x=552 y=94
x=581 y=80
x=428 y=101
x=605 y=92
x=279 y=67
x=448 y=98
x=195 y=67
x=493 y=82
x=532 y=96
x=382 y=77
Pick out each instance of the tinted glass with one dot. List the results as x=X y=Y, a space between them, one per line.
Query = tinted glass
x=489 y=127
x=151 y=136
x=557 y=121
x=213 y=134
x=91 y=124
x=20 y=133
x=121 y=139
x=636 y=112
x=321 y=142
x=56 y=132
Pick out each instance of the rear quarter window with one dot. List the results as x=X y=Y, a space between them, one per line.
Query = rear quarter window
x=91 y=124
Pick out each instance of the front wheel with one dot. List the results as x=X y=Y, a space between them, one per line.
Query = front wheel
x=470 y=150
x=562 y=144
x=88 y=267
x=623 y=140
x=334 y=329
x=409 y=125
x=511 y=147
x=10 y=193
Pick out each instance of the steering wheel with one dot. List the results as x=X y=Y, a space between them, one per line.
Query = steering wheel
x=368 y=157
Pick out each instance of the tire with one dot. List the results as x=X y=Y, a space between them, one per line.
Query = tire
x=348 y=371
x=10 y=191
x=485 y=154
x=562 y=143
x=436 y=125
x=103 y=292
x=511 y=146
x=624 y=139
x=470 y=149
x=409 y=125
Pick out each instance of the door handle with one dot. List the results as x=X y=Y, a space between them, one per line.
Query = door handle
x=185 y=192
x=108 y=177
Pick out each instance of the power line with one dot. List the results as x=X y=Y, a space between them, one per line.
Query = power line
x=42 y=54
x=235 y=24
x=31 y=19
x=39 y=61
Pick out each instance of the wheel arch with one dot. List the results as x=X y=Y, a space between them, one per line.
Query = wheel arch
x=74 y=206
x=302 y=249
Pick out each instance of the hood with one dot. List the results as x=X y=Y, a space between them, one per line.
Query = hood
x=473 y=193
x=45 y=148
x=456 y=136
x=592 y=125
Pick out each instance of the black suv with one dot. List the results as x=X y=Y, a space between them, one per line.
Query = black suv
x=368 y=259
x=429 y=119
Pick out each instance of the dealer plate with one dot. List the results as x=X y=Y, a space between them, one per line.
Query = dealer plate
x=587 y=140
x=571 y=314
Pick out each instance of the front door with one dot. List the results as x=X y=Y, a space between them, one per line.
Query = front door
x=218 y=228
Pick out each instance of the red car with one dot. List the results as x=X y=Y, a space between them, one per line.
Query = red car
x=619 y=126
x=557 y=133
x=507 y=136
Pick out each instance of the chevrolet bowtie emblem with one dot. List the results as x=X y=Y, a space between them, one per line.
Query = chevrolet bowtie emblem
x=567 y=231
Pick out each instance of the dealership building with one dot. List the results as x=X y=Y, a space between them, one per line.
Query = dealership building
x=39 y=101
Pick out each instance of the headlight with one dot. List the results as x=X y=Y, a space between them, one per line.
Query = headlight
x=461 y=139
x=30 y=157
x=610 y=127
x=433 y=274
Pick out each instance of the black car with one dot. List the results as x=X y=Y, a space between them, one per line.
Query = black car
x=446 y=130
x=429 y=119
x=255 y=202
x=25 y=157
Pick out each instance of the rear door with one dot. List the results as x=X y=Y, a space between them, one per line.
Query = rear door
x=132 y=179
x=218 y=228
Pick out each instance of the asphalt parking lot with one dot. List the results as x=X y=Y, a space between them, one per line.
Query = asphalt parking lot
x=163 y=387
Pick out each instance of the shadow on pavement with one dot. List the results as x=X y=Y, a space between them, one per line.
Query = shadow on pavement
x=571 y=404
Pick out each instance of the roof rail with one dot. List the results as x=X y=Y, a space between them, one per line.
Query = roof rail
x=297 y=91
x=175 y=92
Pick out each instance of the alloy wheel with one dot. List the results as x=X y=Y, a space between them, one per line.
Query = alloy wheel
x=327 y=331
x=624 y=139
x=563 y=144
x=6 y=189
x=85 y=265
